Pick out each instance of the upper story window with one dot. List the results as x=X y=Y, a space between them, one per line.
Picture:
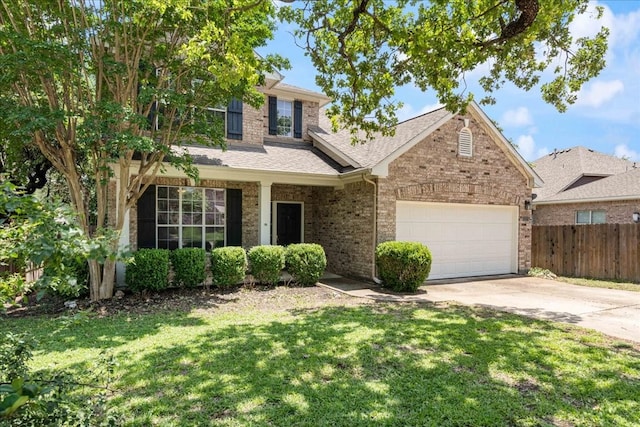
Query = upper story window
x=465 y=142
x=285 y=117
x=591 y=217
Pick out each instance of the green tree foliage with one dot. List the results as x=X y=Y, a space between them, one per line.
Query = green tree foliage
x=364 y=49
x=108 y=89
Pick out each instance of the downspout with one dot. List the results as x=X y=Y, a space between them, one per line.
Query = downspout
x=375 y=227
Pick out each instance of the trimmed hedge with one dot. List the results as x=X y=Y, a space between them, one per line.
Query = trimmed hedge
x=305 y=262
x=266 y=262
x=149 y=269
x=189 y=266
x=228 y=265
x=403 y=266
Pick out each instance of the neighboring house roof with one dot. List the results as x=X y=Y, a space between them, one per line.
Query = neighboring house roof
x=623 y=186
x=563 y=169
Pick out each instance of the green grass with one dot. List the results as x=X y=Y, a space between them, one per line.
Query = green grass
x=375 y=365
x=595 y=283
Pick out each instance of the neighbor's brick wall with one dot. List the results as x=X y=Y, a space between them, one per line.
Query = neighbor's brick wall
x=432 y=171
x=298 y=193
x=250 y=210
x=310 y=111
x=618 y=212
x=344 y=227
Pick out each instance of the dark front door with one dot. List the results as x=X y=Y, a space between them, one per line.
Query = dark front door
x=289 y=225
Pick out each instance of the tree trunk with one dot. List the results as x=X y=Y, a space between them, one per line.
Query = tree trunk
x=108 y=279
x=95 y=270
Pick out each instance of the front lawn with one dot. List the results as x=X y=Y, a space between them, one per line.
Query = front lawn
x=308 y=357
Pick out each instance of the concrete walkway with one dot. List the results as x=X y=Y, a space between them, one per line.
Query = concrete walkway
x=613 y=312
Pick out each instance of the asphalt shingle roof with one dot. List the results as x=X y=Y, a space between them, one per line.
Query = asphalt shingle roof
x=373 y=152
x=271 y=156
x=620 y=186
x=562 y=168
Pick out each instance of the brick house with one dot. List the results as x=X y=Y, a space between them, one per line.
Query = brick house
x=451 y=181
x=583 y=186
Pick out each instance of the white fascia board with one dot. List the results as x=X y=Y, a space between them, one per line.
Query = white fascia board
x=332 y=151
x=630 y=197
x=382 y=168
x=250 y=175
x=304 y=95
x=537 y=181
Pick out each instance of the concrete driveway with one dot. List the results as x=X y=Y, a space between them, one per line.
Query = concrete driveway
x=613 y=312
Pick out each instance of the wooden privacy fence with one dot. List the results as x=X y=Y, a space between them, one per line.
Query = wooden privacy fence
x=601 y=251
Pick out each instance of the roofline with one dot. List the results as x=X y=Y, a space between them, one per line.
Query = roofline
x=332 y=151
x=300 y=93
x=382 y=167
x=537 y=180
x=587 y=200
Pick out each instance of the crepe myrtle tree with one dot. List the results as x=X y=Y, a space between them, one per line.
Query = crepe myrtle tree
x=106 y=88
x=364 y=49
x=109 y=90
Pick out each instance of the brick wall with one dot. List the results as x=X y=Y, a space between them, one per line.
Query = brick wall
x=251 y=125
x=617 y=212
x=344 y=228
x=432 y=171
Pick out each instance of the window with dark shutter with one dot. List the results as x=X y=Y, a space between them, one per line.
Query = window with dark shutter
x=147 y=218
x=234 y=217
x=234 y=119
x=273 y=115
x=297 y=119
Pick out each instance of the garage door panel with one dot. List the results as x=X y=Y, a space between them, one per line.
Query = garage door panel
x=465 y=240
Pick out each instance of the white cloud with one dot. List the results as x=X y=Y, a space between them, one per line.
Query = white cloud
x=408 y=112
x=515 y=118
x=622 y=150
x=599 y=92
x=527 y=148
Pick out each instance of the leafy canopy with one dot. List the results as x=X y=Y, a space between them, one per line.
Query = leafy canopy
x=364 y=49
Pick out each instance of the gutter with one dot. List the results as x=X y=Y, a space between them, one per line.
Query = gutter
x=588 y=200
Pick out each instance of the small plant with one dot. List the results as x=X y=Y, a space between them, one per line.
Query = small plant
x=266 y=263
x=148 y=270
x=13 y=288
x=228 y=266
x=189 y=266
x=403 y=266
x=305 y=262
x=541 y=272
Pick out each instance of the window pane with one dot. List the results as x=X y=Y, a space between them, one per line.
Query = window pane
x=583 y=217
x=214 y=237
x=191 y=237
x=598 y=217
x=173 y=193
x=168 y=237
x=163 y=218
x=162 y=192
x=284 y=117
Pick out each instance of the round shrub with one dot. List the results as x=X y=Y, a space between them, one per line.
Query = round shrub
x=188 y=266
x=228 y=265
x=305 y=262
x=148 y=269
x=403 y=266
x=266 y=262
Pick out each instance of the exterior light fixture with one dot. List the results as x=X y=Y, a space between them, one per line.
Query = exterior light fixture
x=636 y=217
x=527 y=205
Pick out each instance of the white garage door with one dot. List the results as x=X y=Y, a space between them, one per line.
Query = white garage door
x=465 y=240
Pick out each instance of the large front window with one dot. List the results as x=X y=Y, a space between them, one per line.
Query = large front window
x=285 y=117
x=189 y=217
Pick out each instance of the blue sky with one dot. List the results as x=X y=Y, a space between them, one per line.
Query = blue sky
x=606 y=116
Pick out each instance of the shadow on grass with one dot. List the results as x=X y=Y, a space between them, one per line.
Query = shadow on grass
x=381 y=365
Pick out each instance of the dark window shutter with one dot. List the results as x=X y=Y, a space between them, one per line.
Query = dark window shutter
x=234 y=217
x=234 y=119
x=273 y=115
x=147 y=218
x=297 y=119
